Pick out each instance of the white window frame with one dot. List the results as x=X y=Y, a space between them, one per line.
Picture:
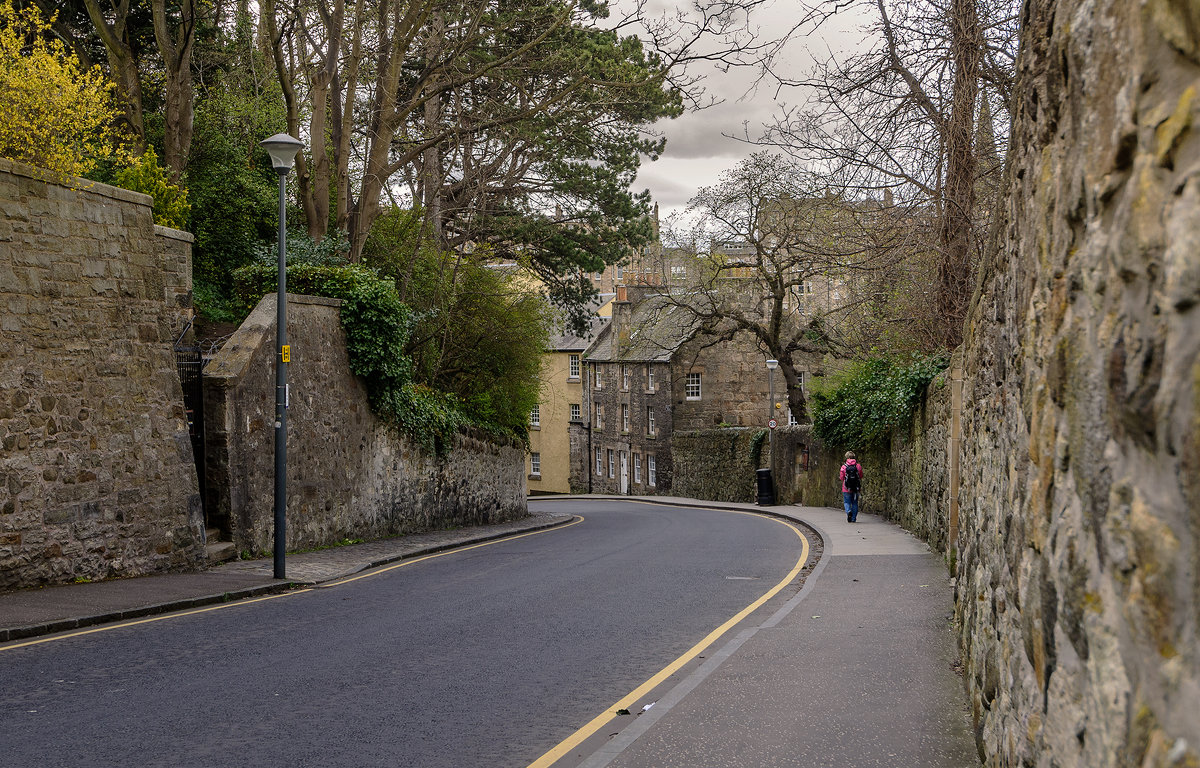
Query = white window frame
x=598 y=414
x=625 y=376
x=598 y=378
x=624 y=417
x=649 y=377
x=651 y=429
x=535 y=415
x=620 y=272
x=535 y=464
x=678 y=272
x=576 y=412
x=791 y=419
x=599 y=463
x=693 y=387
x=612 y=463
x=637 y=468
x=572 y=366
x=651 y=470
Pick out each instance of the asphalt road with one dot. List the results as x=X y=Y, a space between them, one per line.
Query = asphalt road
x=486 y=657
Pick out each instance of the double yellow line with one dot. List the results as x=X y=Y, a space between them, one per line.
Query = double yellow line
x=598 y=722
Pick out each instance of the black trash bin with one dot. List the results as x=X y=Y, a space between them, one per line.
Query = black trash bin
x=766 y=488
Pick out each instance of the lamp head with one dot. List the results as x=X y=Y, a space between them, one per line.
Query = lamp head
x=282 y=149
x=772 y=365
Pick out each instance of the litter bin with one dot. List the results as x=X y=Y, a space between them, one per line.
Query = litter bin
x=766 y=488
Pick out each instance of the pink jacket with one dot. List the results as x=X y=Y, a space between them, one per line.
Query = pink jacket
x=843 y=475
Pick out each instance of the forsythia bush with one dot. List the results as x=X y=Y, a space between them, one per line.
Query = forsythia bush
x=53 y=114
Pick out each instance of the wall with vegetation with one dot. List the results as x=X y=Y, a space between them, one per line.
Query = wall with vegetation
x=350 y=475
x=718 y=464
x=1079 y=585
x=96 y=472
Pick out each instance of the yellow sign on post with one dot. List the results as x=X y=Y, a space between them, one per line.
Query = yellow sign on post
x=285 y=353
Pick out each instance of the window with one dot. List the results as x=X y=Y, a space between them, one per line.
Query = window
x=535 y=464
x=791 y=419
x=678 y=272
x=649 y=378
x=572 y=366
x=692 y=386
x=651 y=471
x=599 y=463
x=599 y=378
x=535 y=415
x=612 y=464
x=598 y=416
x=624 y=377
x=624 y=417
x=637 y=467
x=576 y=412
x=620 y=272
x=650 y=420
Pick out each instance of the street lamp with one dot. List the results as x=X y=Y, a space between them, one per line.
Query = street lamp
x=771 y=366
x=282 y=149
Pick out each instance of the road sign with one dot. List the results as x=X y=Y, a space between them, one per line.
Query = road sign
x=772 y=424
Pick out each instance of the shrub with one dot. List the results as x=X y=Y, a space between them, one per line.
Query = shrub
x=57 y=115
x=144 y=174
x=860 y=407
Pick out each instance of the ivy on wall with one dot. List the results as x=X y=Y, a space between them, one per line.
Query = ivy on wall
x=860 y=407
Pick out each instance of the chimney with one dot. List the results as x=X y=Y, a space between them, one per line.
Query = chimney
x=621 y=311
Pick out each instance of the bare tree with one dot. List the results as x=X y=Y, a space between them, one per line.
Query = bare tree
x=777 y=254
x=916 y=114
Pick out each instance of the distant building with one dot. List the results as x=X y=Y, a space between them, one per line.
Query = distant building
x=651 y=372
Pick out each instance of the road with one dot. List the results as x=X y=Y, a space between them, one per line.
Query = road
x=485 y=657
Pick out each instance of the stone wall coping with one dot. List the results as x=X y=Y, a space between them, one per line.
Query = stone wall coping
x=230 y=364
x=173 y=234
x=74 y=182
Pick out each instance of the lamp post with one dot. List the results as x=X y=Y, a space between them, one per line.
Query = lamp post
x=282 y=149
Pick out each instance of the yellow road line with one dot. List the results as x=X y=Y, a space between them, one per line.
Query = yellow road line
x=237 y=603
x=581 y=735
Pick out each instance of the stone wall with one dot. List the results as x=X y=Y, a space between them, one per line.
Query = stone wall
x=1079 y=576
x=349 y=475
x=96 y=475
x=718 y=464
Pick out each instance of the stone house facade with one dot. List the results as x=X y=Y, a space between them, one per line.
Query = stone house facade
x=649 y=373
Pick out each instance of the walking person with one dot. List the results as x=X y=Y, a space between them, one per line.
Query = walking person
x=851 y=476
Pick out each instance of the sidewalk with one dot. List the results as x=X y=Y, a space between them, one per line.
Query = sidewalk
x=33 y=612
x=856 y=670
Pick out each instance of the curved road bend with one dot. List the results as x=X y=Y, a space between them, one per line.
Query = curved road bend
x=483 y=657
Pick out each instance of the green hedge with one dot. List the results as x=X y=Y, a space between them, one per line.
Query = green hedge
x=860 y=407
x=378 y=326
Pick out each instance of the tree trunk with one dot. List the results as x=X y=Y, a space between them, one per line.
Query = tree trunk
x=954 y=272
x=176 y=53
x=124 y=66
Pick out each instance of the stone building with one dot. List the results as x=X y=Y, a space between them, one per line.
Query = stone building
x=649 y=373
x=560 y=404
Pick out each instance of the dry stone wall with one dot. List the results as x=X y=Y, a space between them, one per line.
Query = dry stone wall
x=349 y=475
x=96 y=471
x=1079 y=579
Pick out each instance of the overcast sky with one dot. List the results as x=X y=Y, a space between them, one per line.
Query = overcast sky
x=698 y=147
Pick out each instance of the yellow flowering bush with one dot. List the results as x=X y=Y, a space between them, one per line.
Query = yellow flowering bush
x=53 y=114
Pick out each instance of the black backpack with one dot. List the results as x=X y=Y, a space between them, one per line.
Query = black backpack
x=852 y=479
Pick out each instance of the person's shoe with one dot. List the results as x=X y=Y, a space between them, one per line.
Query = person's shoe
x=849 y=519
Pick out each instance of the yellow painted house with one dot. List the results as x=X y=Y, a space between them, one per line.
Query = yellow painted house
x=549 y=460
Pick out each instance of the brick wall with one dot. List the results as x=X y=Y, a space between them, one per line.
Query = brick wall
x=96 y=475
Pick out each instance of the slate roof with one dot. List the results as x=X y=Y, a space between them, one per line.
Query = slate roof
x=657 y=329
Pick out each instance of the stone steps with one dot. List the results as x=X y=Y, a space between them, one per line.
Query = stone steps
x=218 y=551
